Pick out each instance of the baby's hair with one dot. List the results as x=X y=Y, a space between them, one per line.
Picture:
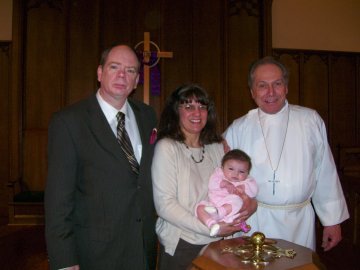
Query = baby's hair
x=236 y=154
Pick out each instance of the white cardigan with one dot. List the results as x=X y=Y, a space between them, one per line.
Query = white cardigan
x=171 y=185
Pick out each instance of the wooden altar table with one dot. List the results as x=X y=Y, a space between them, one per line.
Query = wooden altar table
x=212 y=259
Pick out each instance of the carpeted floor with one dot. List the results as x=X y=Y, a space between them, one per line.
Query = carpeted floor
x=22 y=248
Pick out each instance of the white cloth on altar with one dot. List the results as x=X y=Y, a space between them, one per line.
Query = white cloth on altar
x=306 y=171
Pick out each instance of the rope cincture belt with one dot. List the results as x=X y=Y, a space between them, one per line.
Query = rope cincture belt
x=286 y=206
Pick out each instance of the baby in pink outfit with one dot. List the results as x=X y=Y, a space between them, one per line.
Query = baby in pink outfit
x=226 y=185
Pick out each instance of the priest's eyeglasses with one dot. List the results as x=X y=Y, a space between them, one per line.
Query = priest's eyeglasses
x=276 y=85
x=193 y=108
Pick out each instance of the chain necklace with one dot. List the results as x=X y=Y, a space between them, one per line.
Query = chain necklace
x=273 y=180
x=202 y=154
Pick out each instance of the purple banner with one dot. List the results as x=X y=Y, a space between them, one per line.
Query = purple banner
x=155 y=80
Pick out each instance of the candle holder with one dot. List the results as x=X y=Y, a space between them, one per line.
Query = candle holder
x=259 y=250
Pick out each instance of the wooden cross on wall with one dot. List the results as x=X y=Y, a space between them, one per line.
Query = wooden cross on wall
x=146 y=60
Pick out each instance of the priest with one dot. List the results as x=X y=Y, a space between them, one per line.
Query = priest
x=292 y=162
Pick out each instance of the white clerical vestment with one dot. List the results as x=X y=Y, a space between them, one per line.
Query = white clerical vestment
x=305 y=172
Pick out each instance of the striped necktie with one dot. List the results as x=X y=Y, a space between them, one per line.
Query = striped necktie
x=125 y=143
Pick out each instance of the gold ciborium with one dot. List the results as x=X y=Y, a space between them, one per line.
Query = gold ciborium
x=259 y=250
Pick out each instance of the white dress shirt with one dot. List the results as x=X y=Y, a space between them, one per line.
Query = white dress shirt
x=130 y=123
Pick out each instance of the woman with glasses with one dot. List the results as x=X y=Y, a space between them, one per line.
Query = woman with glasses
x=188 y=150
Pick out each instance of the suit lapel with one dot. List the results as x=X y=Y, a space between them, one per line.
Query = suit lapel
x=101 y=129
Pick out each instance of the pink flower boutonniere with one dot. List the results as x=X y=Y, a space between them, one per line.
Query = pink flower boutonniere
x=153 y=136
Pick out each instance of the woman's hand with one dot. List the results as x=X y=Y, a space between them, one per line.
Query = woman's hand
x=227 y=229
x=249 y=207
x=226 y=146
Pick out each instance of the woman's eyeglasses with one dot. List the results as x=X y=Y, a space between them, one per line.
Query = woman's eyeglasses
x=193 y=108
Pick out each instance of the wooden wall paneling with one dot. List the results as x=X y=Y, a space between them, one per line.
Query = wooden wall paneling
x=265 y=28
x=315 y=93
x=343 y=100
x=82 y=50
x=157 y=102
x=44 y=64
x=4 y=124
x=208 y=49
x=149 y=17
x=117 y=22
x=292 y=61
x=331 y=96
x=243 y=48
x=177 y=34
x=44 y=83
x=357 y=83
x=16 y=88
x=4 y=111
x=35 y=159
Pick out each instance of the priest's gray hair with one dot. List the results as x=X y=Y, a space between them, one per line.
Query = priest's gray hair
x=265 y=61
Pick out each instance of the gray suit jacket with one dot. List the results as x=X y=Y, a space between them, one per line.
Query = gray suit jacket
x=99 y=214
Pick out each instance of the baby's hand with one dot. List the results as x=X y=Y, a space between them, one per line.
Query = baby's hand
x=224 y=183
x=228 y=186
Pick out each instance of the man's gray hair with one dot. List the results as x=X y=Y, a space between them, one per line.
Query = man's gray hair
x=265 y=61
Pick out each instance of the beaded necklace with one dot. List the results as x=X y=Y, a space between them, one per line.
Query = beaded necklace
x=202 y=154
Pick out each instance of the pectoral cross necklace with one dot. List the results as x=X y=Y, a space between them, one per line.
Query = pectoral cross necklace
x=274 y=180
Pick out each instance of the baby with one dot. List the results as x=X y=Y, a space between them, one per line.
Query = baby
x=226 y=185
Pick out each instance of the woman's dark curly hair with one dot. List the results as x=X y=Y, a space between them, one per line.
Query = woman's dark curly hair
x=169 y=126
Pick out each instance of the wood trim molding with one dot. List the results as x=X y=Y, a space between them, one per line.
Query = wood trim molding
x=266 y=28
x=15 y=94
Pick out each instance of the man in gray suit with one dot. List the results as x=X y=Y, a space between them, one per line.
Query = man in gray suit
x=99 y=211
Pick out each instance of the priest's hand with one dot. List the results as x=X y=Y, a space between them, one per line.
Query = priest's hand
x=331 y=237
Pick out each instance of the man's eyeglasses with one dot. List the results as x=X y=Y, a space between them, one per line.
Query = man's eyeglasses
x=193 y=108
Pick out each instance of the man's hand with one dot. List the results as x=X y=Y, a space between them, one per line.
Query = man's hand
x=331 y=236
